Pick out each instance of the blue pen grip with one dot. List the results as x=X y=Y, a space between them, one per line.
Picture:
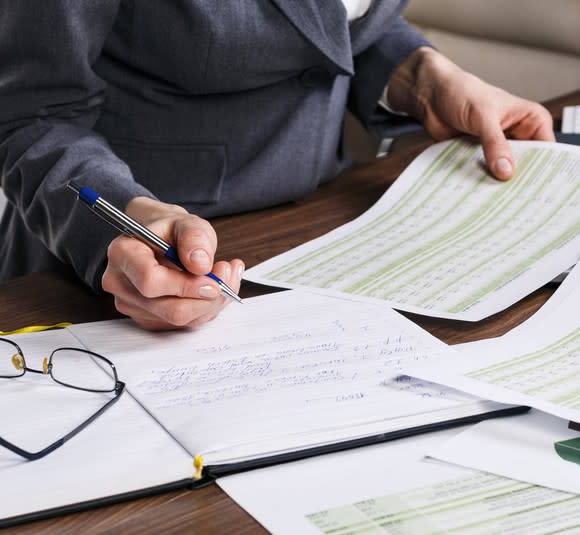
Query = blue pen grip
x=214 y=277
x=88 y=195
x=171 y=254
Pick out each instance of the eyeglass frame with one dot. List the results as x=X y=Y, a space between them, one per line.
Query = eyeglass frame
x=118 y=389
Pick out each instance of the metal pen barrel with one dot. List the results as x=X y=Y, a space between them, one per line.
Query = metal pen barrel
x=136 y=229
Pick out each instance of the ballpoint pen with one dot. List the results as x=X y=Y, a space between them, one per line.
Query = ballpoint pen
x=134 y=229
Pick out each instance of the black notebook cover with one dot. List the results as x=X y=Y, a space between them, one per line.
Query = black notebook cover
x=212 y=472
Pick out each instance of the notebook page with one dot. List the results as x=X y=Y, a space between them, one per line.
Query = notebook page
x=121 y=451
x=282 y=372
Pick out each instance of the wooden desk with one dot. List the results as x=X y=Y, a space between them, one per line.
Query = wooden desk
x=46 y=298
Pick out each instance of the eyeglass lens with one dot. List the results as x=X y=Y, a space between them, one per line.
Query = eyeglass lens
x=80 y=370
x=12 y=363
x=70 y=367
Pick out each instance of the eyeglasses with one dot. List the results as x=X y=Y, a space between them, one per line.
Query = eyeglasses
x=68 y=366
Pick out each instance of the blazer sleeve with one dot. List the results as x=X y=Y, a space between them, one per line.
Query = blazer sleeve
x=50 y=98
x=374 y=67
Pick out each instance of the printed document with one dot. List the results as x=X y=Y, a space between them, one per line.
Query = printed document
x=392 y=488
x=447 y=239
x=536 y=365
x=520 y=447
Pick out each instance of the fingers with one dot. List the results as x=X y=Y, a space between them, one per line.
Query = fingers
x=194 y=238
x=196 y=242
x=497 y=151
x=167 y=312
x=454 y=101
x=138 y=263
x=158 y=297
x=542 y=124
x=536 y=123
x=522 y=120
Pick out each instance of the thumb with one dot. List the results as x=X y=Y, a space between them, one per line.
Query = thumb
x=196 y=243
x=497 y=151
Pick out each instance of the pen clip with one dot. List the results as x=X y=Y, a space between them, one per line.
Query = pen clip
x=93 y=207
x=111 y=221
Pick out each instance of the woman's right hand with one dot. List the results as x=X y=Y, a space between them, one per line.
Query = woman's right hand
x=149 y=289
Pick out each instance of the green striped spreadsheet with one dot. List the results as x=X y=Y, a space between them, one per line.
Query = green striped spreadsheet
x=477 y=503
x=551 y=373
x=537 y=364
x=447 y=239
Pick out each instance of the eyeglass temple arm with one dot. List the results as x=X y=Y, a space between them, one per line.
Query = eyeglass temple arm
x=33 y=456
x=28 y=455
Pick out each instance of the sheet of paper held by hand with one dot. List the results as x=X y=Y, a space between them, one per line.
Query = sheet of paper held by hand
x=447 y=239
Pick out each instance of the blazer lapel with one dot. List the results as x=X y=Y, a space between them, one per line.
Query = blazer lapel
x=324 y=24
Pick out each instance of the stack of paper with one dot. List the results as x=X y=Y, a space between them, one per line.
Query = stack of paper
x=521 y=487
x=294 y=374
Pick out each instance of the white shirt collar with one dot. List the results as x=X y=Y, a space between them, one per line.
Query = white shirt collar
x=356 y=8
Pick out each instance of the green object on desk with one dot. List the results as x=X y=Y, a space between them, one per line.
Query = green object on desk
x=569 y=450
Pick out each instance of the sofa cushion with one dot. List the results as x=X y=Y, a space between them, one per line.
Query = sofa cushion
x=547 y=24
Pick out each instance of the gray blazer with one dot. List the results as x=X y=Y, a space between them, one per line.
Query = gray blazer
x=219 y=106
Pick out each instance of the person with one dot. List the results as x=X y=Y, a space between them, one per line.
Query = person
x=182 y=110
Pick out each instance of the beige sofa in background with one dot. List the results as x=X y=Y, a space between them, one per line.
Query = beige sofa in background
x=529 y=47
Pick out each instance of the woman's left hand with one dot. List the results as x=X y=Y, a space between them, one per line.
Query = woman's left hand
x=450 y=101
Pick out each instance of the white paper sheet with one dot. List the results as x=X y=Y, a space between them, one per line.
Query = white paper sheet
x=533 y=323
x=536 y=365
x=391 y=488
x=520 y=447
x=448 y=240
x=123 y=450
x=566 y=290
x=282 y=372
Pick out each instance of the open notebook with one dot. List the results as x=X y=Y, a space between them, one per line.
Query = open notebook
x=285 y=376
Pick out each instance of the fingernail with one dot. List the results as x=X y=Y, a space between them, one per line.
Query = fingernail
x=240 y=272
x=199 y=255
x=503 y=167
x=209 y=292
